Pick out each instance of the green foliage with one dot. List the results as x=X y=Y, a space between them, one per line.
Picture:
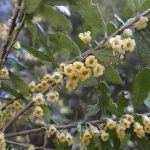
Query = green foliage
x=87 y=9
x=141 y=86
x=112 y=75
x=32 y=5
x=142 y=39
x=63 y=43
x=145 y=5
x=11 y=91
x=19 y=84
x=121 y=105
x=104 y=97
x=54 y=18
x=106 y=57
x=38 y=54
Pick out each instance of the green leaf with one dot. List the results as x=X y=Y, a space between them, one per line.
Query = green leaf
x=91 y=16
x=145 y=5
x=141 y=86
x=104 y=97
x=143 y=144
x=106 y=57
x=92 y=110
x=112 y=107
x=47 y=113
x=125 y=140
x=142 y=38
x=61 y=42
x=91 y=82
x=111 y=28
x=32 y=5
x=147 y=101
x=121 y=104
x=55 y=19
x=38 y=54
x=19 y=84
x=112 y=75
x=11 y=91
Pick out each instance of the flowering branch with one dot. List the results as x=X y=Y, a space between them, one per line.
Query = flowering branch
x=83 y=56
x=62 y=127
x=42 y=129
x=10 y=40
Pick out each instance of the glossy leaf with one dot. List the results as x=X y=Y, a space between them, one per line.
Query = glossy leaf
x=104 y=97
x=38 y=54
x=61 y=41
x=91 y=16
x=19 y=84
x=141 y=86
x=112 y=75
x=142 y=38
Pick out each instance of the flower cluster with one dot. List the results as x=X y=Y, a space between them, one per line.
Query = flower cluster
x=141 y=24
x=39 y=100
x=64 y=137
x=85 y=37
x=79 y=71
x=31 y=147
x=2 y=141
x=86 y=137
x=4 y=74
x=120 y=46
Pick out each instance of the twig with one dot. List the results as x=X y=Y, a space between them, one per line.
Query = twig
x=9 y=103
x=84 y=55
x=18 y=115
x=3 y=50
x=24 y=145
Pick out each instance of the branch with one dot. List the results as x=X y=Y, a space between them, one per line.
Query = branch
x=84 y=55
x=42 y=129
x=63 y=127
x=24 y=145
x=3 y=50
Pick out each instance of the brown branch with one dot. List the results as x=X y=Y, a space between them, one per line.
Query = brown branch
x=84 y=55
x=63 y=127
x=3 y=50
x=42 y=129
x=24 y=145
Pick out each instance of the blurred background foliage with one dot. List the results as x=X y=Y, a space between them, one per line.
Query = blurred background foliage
x=50 y=36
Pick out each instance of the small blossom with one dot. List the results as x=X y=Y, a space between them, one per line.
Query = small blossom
x=52 y=96
x=111 y=124
x=17 y=45
x=4 y=74
x=85 y=37
x=31 y=147
x=91 y=61
x=104 y=136
x=129 y=44
x=39 y=99
x=141 y=24
x=38 y=112
x=98 y=70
